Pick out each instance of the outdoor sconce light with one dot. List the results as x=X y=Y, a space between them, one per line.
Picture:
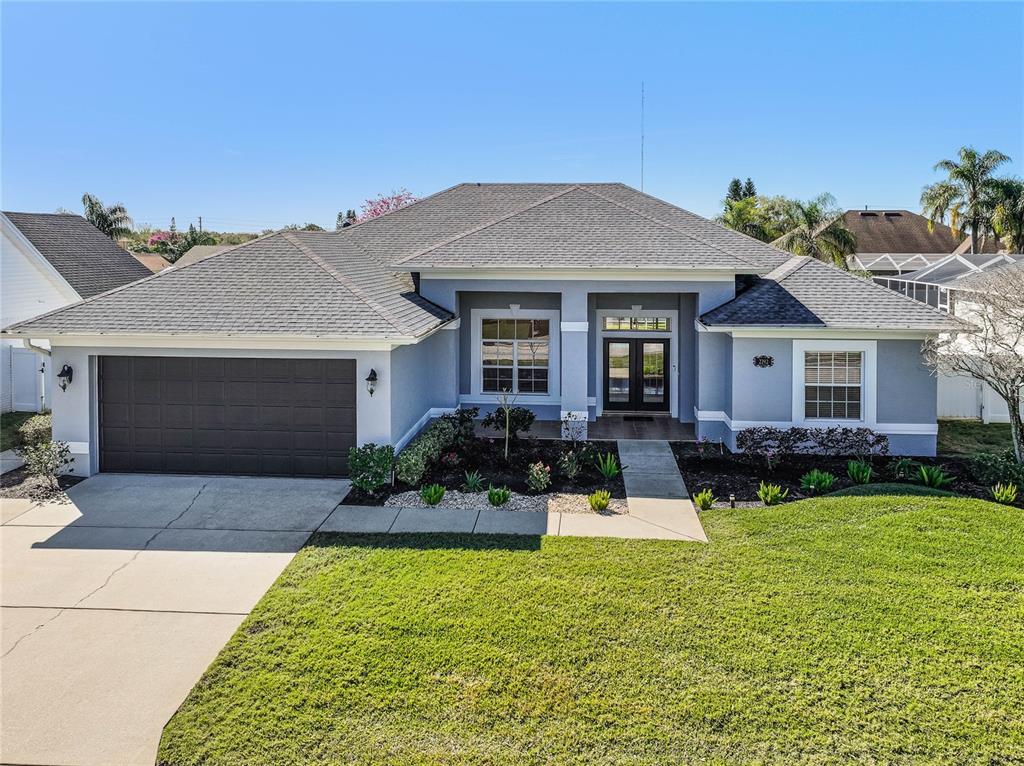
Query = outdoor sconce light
x=65 y=375
x=371 y=381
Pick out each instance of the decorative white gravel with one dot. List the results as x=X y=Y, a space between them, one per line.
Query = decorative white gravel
x=555 y=502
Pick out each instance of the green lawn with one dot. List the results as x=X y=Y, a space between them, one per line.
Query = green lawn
x=891 y=488
x=966 y=437
x=14 y=425
x=874 y=630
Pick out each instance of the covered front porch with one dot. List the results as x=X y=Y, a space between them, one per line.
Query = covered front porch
x=644 y=427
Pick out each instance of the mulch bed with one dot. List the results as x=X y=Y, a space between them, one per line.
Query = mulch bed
x=727 y=474
x=20 y=484
x=487 y=456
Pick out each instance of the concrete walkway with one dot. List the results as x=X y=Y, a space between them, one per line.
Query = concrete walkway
x=659 y=509
x=114 y=604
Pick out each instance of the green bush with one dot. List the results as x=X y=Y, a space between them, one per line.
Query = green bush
x=519 y=421
x=704 y=499
x=47 y=460
x=817 y=482
x=998 y=468
x=474 y=482
x=464 y=422
x=35 y=430
x=608 y=464
x=370 y=466
x=426 y=449
x=432 y=494
x=599 y=500
x=498 y=495
x=538 y=477
x=1004 y=493
x=859 y=471
x=933 y=476
x=903 y=468
x=570 y=464
x=411 y=464
x=771 y=494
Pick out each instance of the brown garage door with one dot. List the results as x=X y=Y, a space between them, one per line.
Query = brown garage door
x=274 y=417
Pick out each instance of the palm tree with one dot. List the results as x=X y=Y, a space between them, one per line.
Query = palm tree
x=819 y=232
x=113 y=221
x=1008 y=217
x=969 y=194
x=744 y=216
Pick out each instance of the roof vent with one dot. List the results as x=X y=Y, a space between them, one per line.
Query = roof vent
x=868 y=213
x=892 y=214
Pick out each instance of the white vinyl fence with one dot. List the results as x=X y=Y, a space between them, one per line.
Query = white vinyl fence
x=964 y=397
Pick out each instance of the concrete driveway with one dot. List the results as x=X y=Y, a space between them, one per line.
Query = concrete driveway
x=114 y=604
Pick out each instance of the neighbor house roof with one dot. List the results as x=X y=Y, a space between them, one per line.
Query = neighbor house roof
x=979 y=279
x=198 y=252
x=952 y=269
x=902 y=232
x=294 y=292
x=152 y=261
x=85 y=257
x=805 y=292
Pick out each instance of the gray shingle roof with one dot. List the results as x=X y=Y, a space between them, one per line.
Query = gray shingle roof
x=292 y=292
x=982 y=280
x=88 y=259
x=198 y=252
x=806 y=292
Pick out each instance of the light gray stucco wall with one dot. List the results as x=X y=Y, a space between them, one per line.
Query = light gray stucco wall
x=423 y=377
x=75 y=417
x=714 y=374
x=762 y=393
x=907 y=391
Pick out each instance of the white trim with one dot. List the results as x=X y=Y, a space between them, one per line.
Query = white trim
x=575 y=326
x=672 y=333
x=287 y=343
x=433 y=412
x=783 y=331
x=554 y=394
x=869 y=381
x=637 y=274
x=454 y=324
x=922 y=429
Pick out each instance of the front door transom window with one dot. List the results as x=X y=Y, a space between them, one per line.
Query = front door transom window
x=515 y=355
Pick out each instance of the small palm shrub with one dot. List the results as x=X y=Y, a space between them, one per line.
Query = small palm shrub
x=474 y=482
x=1004 y=493
x=903 y=468
x=538 y=477
x=599 y=500
x=771 y=494
x=608 y=464
x=370 y=466
x=859 y=471
x=432 y=494
x=817 y=482
x=497 y=496
x=570 y=465
x=704 y=499
x=933 y=476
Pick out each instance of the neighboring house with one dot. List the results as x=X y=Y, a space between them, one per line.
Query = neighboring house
x=198 y=252
x=49 y=260
x=583 y=299
x=152 y=261
x=891 y=242
x=933 y=284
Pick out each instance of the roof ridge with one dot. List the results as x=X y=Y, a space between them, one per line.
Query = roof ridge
x=787 y=269
x=487 y=225
x=346 y=282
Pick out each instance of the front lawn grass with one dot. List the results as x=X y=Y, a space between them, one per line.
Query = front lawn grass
x=967 y=437
x=877 y=630
x=891 y=488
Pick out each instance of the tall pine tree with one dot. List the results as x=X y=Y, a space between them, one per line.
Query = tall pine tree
x=735 y=193
x=749 y=190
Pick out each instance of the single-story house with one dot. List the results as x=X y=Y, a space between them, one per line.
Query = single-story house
x=892 y=242
x=152 y=261
x=48 y=260
x=581 y=299
x=198 y=252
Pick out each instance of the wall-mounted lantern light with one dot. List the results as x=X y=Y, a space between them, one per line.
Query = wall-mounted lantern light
x=371 y=382
x=65 y=375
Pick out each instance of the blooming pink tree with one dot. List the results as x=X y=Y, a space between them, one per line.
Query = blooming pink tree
x=386 y=203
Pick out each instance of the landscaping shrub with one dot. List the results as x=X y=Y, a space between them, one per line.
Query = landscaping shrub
x=570 y=464
x=519 y=421
x=538 y=477
x=817 y=482
x=370 y=466
x=771 y=494
x=608 y=464
x=998 y=468
x=47 y=460
x=903 y=468
x=425 y=450
x=451 y=459
x=933 y=476
x=497 y=496
x=464 y=421
x=768 y=443
x=36 y=430
x=1005 y=493
x=411 y=464
x=474 y=482
x=599 y=500
x=432 y=494
x=704 y=499
x=859 y=471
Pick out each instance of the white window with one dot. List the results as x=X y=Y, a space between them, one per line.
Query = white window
x=515 y=355
x=833 y=385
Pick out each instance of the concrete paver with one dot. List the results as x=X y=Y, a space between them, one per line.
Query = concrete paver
x=12 y=508
x=17 y=623
x=365 y=519
x=514 y=523
x=434 y=520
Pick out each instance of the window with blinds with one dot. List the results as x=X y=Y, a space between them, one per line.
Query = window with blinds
x=833 y=384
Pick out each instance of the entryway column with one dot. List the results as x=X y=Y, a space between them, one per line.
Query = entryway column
x=574 y=362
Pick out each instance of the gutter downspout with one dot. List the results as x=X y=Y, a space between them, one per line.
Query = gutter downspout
x=33 y=347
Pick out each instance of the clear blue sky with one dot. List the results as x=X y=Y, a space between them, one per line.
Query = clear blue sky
x=259 y=115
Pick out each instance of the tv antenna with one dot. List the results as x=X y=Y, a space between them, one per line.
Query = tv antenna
x=641 y=135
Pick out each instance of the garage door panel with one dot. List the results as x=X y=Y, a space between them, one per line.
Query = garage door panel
x=291 y=417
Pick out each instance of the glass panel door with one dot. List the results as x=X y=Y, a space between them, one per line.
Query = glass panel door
x=654 y=373
x=618 y=372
